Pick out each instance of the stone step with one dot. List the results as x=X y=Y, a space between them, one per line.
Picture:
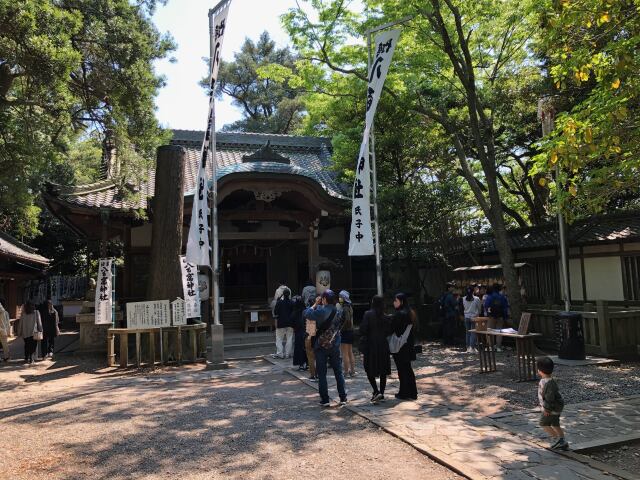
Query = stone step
x=241 y=337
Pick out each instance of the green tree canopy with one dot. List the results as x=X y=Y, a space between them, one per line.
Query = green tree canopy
x=463 y=73
x=67 y=68
x=268 y=106
x=593 y=51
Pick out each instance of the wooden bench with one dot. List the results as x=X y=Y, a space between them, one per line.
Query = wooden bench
x=166 y=339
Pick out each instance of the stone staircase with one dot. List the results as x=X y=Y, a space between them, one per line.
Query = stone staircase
x=238 y=344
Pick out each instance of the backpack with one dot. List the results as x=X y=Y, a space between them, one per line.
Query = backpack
x=495 y=306
x=327 y=337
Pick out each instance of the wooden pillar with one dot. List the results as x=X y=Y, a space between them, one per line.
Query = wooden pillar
x=12 y=298
x=127 y=273
x=166 y=241
x=314 y=248
x=104 y=234
x=603 y=327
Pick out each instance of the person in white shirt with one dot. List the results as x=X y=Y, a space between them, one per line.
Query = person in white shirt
x=472 y=309
x=5 y=328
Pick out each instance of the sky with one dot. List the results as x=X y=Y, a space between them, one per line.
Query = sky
x=182 y=103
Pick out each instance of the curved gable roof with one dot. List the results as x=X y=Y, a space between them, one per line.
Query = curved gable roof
x=309 y=157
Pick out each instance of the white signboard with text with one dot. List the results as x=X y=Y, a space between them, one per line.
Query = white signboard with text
x=190 y=289
x=104 y=293
x=154 y=314
x=178 y=316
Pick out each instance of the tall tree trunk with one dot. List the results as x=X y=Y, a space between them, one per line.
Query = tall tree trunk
x=165 y=281
x=509 y=270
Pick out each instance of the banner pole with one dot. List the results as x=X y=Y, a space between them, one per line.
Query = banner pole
x=215 y=270
x=372 y=150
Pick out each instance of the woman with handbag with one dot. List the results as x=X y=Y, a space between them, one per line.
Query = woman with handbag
x=403 y=324
x=30 y=329
x=374 y=347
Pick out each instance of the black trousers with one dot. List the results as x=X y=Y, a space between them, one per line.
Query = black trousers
x=30 y=346
x=47 y=344
x=374 y=386
x=408 y=388
x=448 y=330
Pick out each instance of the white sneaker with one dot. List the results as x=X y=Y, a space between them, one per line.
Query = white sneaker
x=499 y=349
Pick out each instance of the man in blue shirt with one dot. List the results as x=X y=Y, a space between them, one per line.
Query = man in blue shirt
x=324 y=312
x=496 y=306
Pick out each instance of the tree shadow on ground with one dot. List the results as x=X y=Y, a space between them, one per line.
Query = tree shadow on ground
x=150 y=429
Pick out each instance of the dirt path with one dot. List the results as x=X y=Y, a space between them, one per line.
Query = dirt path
x=190 y=426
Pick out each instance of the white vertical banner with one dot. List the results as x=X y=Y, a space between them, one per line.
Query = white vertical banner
x=104 y=292
x=190 y=288
x=198 y=241
x=361 y=239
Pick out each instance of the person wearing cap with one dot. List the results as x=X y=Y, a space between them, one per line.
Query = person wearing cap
x=346 y=342
x=324 y=313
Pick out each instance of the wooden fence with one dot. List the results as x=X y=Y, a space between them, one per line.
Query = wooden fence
x=610 y=329
x=157 y=345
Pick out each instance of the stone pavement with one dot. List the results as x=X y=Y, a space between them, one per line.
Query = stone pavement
x=588 y=424
x=471 y=445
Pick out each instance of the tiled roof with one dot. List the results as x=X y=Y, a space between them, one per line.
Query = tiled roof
x=597 y=229
x=309 y=157
x=14 y=248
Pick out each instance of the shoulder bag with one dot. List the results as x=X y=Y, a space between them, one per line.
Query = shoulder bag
x=396 y=342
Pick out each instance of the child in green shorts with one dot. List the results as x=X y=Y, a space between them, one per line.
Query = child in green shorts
x=551 y=403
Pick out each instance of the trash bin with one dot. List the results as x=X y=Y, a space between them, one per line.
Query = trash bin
x=570 y=336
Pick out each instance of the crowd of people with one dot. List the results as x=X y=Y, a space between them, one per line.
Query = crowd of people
x=35 y=325
x=317 y=331
x=478 y=301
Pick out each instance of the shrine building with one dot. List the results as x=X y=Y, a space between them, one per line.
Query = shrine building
x=282 y=215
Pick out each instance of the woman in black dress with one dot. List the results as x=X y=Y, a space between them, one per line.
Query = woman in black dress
x=402 y=318
x=298 y=323
x=374 y=329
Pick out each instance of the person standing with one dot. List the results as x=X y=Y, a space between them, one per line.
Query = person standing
x=282 y=311
x=5 y=328
x=309 y=293
x=324 y=313
x=448 y=313
x=496 y=307
x=403 y=318
x=29 y=323
x=472 y=309
x=297 y=321
x=374 y=329
x=50 y=329
x=346 y=345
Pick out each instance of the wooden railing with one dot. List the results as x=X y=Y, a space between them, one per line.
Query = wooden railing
x=168 y=342
x=609 y=330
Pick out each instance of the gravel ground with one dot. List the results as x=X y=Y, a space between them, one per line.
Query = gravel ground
x=625 y=457
x=454 y=376
x=251 y=427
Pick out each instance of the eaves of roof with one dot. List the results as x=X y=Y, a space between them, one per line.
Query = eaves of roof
x=12 y=247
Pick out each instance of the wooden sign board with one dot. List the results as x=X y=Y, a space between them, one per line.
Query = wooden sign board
x=155 y=314
x=178 y=313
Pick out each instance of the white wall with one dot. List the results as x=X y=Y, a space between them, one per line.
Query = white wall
x=604 y=278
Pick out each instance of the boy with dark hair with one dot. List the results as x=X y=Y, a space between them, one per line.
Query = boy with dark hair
x=551 y=403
